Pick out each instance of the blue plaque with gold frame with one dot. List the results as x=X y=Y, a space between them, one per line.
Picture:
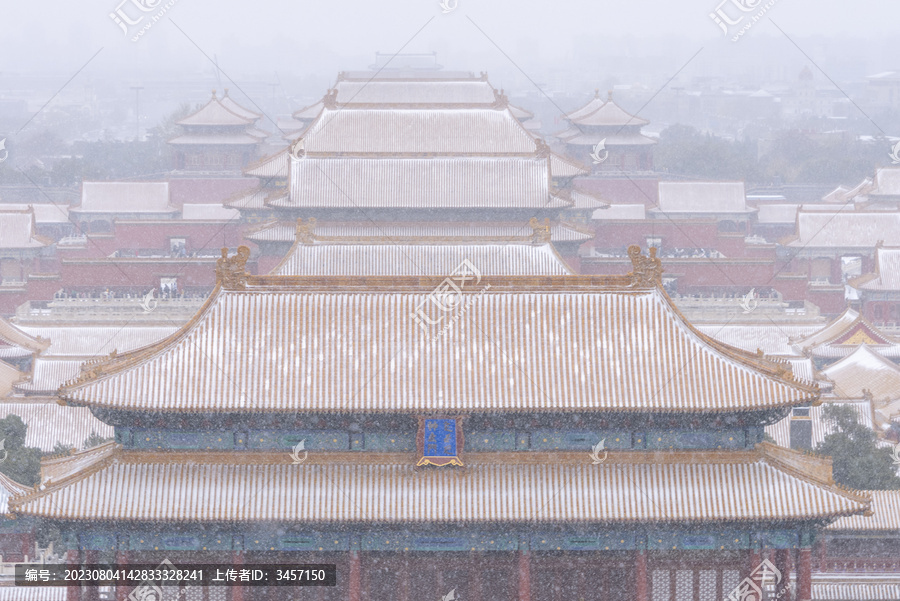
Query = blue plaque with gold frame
x=439 y=441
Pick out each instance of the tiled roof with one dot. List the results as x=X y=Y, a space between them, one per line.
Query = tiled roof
x=309 y=112
x=855 y=591
x=430 y=258
x=436 y=183
x=237 y=109
x=276 y=165
x=392 y=231
x=339 y=487
x=17 y=230
x=887 y=182
x=255 y=199
x=584 y=200
x=46 y=212
x=9 y=488
x=771 y=339
x=215 y=113
x=238 y=138
x=781 y=430
x=620 y=212
x=418 y=131
x=586 y=343
x=15 y=336
x=90 y=341
x=844 y=335
x=600 y=112
x=887 y=271
x=50 y=423
x=49 y=374
x=562 y=166
x=702 y=197
x=32 y=593
x=778 y=213
x=846 y=229
x=208 y=212
x=864 y=369
x=125 y=197
x=885 y=514
x=471 y=92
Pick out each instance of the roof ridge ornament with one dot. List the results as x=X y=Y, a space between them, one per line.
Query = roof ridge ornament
x=646 y=271
x=540 y=234
x=305 y=233
x=230 y=271
x=297 y=150
x=542 y=149
x=330 y=99
x=501 y=101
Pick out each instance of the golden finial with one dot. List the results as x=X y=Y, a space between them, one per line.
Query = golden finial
x=214 y=94
x=540 y=234
x=646 y=271
x=230 y=271
x=305 y=230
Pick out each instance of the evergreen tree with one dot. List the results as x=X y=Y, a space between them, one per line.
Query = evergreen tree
x=857 y=460
x=20 y=463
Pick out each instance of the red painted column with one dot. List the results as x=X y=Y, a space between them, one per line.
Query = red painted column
x=122 y=590
x=783 y=563
x=91 y=593
x=404 y=577
x=474 y=589
x=237 y=560
x=73 y=591
x=754 y=558
x=641 y=579
x=524 y=575
x=804 y=574
x=354 y=577
x=822 y=554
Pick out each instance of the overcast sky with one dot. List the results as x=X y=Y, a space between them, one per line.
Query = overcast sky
x=56 y=35
x=572 y=45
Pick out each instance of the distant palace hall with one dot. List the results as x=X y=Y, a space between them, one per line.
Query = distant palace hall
x=418 y=387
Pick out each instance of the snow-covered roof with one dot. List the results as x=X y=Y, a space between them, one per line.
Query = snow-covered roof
x=702 y=197
x=771 y=339
x=865 y=370
x=711 y=487
x=50 y=423
x=416 y=92
x=17 y=230
x=208 y=212
x=621 y=211
x=124 y=197
x=781 y=430
x=48 y=374
x=887 y=182
x=47 y=212
x=418 y=131
x=603 y=112
x=846 y=229
x=276 y=165
x=427 y=258
x=885 y=514
x=9 y=488
x=778 y=213
x=594 y=343
x=459 y=232
x=218 y=114
x=91 y=341
x=843 y=335
x=421 y=183
x=887 y=271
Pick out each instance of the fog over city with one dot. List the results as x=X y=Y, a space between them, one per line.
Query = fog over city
x=449 y=300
